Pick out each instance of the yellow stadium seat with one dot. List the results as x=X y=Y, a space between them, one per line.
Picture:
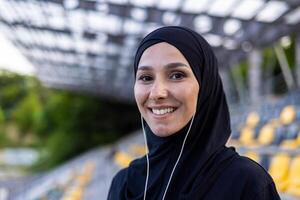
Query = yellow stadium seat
x=298 y=138
x=89 y=166
x=266 y=135
x=279 y=170
x=83 y=179
x=74 y=194
x=137 y=150
x=252 y=119
x=123 y=159
x=288 y=115
x=247 y=136
x=253 y=155
x=294 y=177
x=289 y=144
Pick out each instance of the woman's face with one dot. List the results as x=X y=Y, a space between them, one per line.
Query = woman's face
x=165 y=89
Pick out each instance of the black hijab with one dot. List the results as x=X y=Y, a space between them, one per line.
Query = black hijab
x=204 y=155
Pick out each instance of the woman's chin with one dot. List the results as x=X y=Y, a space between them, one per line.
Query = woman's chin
x=163 y=131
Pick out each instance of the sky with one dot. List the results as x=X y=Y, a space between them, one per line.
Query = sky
x=12 y=60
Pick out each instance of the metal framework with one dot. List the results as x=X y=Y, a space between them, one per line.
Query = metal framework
x=88 y=45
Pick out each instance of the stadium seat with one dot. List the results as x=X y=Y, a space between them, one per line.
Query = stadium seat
x=86 y=175
x=288 y=115
x=247 y=136
x=123 y=159
x=294 y=177
x=266 y=135
x=298 y=138
x=289 y=144
x=75 y=194
x=252 y=119
x=253 y=155
x=291 y=137
x=279 y=170
x=75 y=190
x=137 y=150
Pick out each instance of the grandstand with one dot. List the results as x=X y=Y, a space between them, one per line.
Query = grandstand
x=272 y=138
x=81 y=45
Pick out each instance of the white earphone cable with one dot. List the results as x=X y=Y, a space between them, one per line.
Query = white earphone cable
x=147 y=157
x=182 y=147
x=148 y=164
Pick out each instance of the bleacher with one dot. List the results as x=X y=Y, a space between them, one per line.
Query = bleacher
x=268 y=134
x=86 y=177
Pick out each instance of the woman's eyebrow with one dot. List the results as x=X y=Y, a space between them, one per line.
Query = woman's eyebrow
x=144 y=68
x=168 y=66
x=175 y=65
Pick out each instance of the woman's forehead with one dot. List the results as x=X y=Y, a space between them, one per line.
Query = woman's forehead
x=162 y=53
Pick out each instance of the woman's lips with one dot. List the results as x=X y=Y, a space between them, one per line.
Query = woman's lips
x=161 y=111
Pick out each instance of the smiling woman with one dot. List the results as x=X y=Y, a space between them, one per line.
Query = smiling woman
x=186 y=124
x=166 y=89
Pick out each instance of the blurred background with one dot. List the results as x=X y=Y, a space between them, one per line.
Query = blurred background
x=68 y=121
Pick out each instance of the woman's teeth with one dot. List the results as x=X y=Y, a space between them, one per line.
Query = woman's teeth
x=162 y=111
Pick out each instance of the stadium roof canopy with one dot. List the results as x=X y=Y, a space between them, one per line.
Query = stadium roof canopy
x=88 y=45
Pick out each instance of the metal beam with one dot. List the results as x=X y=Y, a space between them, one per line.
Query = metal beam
x=255 y=75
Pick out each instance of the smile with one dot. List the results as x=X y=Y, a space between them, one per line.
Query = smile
x=162 y=111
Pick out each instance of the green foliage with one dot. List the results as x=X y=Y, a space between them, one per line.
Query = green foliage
x=2 y=117
x=240 y=75
x=62 y=124
x=74 y=123
x=82 y=114
x=61 y=147
x=12 y=89
x=269 y=60
x=3 y=140
x=290 y=54
x=28 y=112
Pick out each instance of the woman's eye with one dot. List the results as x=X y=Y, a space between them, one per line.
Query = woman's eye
x=145 y=78
x=177 y=76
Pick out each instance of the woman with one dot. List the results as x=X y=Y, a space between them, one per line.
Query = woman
x=186 y=124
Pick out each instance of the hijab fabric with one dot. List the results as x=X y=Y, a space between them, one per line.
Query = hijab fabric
x=204 y=155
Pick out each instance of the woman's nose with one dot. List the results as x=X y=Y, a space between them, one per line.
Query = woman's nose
x=158 y=91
